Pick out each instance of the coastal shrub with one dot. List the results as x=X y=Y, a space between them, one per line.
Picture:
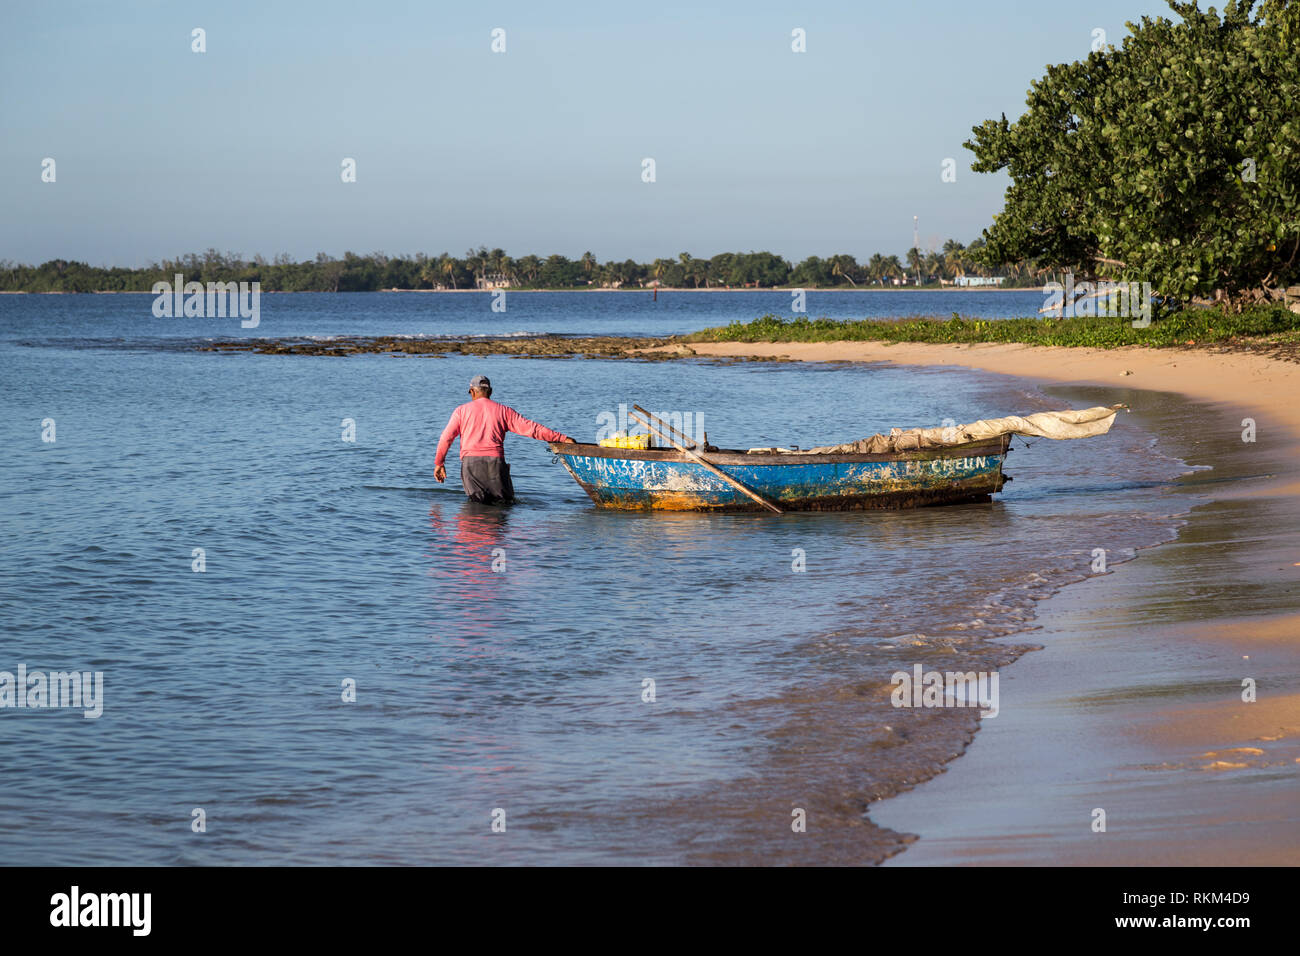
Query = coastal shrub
x=1170 y=160
x=1191 y=326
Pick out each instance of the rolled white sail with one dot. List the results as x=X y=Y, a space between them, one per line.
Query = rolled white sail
x=1069 y=423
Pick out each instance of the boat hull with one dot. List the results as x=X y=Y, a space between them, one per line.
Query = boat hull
x=667 y=480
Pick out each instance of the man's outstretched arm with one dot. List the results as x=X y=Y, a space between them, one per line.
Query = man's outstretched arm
x=530 y=429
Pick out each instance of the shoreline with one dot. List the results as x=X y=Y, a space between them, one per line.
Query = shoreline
x=1133 y=704
x=670 y=347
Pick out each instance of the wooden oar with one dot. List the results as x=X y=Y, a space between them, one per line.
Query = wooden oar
x=682 y=436
x=709 y=466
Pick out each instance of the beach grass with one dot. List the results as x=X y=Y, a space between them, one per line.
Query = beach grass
x=1189 y=327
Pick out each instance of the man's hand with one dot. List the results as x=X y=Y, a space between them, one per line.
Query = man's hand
x=566 y=440
x=440 y=474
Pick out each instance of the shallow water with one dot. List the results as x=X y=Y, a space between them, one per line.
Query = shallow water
x=519 y=688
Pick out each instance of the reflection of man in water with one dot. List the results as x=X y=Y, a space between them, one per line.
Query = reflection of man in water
x=474 y=603
x=482 y=425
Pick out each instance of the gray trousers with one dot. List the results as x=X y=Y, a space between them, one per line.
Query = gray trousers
x=486 y=479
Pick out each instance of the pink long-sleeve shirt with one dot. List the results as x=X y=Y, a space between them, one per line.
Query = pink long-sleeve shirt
x=482 y=425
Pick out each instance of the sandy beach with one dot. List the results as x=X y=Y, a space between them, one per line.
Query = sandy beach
x=1134 y=705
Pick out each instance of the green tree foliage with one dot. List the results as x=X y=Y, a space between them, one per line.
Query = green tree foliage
x=559 y=272
x=812 y=272
x=356 y=272
x=1174 y=159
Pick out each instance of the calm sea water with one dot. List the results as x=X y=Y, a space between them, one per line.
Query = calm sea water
x=520 y=687
x=128 y=318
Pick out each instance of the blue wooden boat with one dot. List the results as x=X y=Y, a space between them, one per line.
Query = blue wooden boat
x=670 y=480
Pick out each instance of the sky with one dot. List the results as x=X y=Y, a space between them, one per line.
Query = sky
x=159 y=150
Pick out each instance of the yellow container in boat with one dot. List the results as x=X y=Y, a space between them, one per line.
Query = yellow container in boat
x=621 y=440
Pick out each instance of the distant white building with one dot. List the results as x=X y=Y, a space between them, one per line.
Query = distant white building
x=494 y=281
x=979 y=280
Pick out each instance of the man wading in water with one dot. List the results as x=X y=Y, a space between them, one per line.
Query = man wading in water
x=482 y=425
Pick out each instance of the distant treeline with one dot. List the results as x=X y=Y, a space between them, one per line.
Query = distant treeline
x=490 y=268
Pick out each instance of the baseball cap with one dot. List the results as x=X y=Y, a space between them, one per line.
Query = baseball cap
x=480 y=381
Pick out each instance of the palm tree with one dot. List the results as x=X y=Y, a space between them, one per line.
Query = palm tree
x=531 y=266
x=934 y=265
x=692 y=268
x=892 y=266
x=914 y=263
x=954 y=255
x=429 y=273
x=611 y=272
x=476 y=262
x=841 y=266
x=447 y=265
x=876 y=268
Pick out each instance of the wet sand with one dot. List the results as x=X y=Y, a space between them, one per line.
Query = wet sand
x=1134 y=705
